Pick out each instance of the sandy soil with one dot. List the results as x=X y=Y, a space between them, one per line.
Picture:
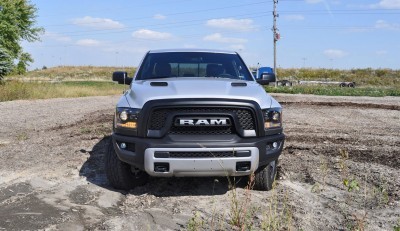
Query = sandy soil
x=52 y=175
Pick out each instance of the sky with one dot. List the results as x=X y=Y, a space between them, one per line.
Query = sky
x=340 y=34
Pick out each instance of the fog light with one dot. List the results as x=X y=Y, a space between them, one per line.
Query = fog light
x=123 y=145
x=274 y=145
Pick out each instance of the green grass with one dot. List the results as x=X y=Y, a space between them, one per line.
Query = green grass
x=336 y=91
x=369 y=82
x=14 y=90
x=362 y=77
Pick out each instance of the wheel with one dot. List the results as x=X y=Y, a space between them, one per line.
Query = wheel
x=350 y=85
x=121 y=175
x=265 y=177
x=286 y=83
x=342 y=85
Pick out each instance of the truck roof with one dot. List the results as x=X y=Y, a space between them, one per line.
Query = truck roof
x=192 y=50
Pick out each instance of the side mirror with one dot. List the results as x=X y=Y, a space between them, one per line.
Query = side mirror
x=266 y=78
x=121 y=77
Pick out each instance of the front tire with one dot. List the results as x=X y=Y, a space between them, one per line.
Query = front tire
x=265 y=177
x=121 y=175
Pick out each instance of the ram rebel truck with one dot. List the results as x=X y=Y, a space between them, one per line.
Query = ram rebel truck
x=194 y=113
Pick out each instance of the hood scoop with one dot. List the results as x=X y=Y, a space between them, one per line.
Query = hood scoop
x=238 y=84
x=159 y=84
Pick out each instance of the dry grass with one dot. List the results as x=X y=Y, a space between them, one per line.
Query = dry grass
x=362 y=77
x=15 y=90
x=73 y=73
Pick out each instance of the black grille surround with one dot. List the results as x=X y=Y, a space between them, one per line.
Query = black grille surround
x=159 y=116
x=218 y=154
x=202 y=154
x=245 y=116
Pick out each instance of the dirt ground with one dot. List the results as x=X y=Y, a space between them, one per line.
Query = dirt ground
x=339 y=171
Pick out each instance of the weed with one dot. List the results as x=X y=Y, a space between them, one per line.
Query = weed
x=196 y=222
x=325 y=170
x=316 y=188
x=22 y=136
x=275 y=218
x=357 y=222
x=85 y=130
x=380 y=192
x=241 y=212
x=397 y=226
x=351 y=185
x=213 y=217
x=344 y=156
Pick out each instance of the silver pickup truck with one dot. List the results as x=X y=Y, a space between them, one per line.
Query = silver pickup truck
x=194 y=113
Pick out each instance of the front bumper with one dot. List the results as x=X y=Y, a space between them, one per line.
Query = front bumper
x=144 y=153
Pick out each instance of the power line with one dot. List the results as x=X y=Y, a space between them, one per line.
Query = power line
x=155 y=26
x=172 y=14
x=135 y=7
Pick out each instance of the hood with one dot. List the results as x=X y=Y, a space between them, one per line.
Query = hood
x=211 y=88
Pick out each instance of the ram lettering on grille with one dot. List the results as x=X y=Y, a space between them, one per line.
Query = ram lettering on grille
x=202 y=122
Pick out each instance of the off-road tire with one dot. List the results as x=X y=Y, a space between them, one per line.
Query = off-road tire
x=264 y=177
x=120 y=174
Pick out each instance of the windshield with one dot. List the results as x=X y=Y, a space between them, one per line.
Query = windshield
x=193 y=64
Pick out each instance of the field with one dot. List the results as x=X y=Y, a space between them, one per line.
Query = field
x=363 y=77
x=62 y=82
x=369 y=82
x=338 y=171
x=74 y=73
x=14 y=90
x=75 y=81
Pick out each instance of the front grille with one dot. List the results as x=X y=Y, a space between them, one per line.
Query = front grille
x=159 y=118
x=245 y=119
x=225 y=130
x=218 y=154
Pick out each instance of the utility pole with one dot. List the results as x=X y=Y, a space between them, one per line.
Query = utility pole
x=276 y=37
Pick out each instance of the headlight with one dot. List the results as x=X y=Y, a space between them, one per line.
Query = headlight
x=272 y=118
x=126 y=117
x=123 y=116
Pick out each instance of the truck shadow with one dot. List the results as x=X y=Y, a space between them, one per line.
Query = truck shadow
x=93 y=170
